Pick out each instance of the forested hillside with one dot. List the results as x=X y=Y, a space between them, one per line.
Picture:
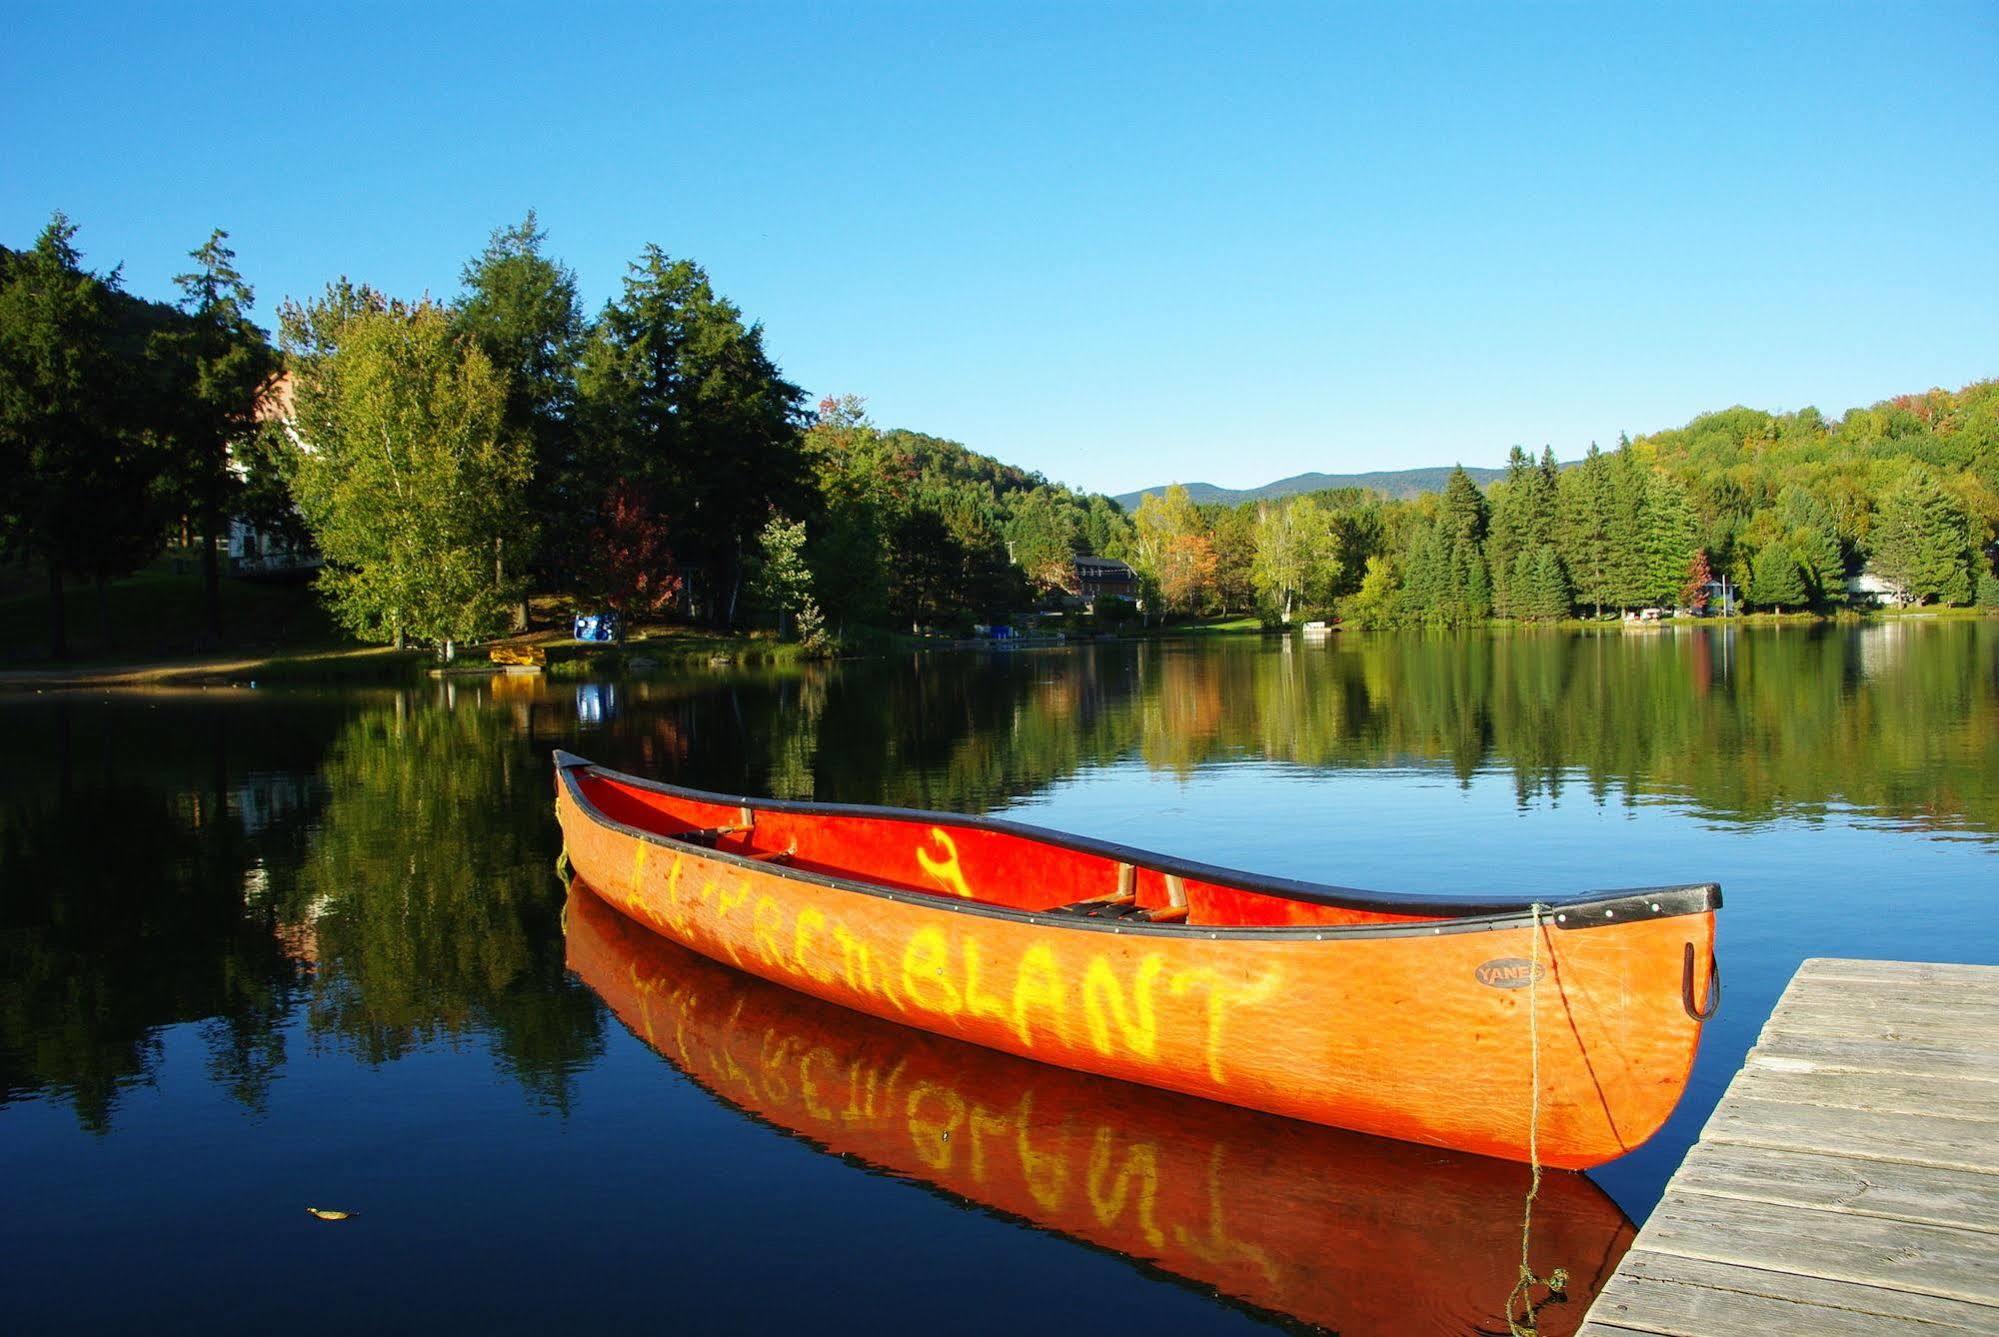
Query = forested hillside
x=1785 y=507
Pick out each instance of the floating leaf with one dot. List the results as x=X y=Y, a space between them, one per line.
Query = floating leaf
x=328 y=1214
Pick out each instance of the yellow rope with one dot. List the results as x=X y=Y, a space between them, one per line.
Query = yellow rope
x=1556 y=1281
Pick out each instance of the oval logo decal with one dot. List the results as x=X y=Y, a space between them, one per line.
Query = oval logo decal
x=1508 y=972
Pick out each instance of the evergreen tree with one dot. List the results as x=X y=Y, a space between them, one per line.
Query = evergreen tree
x=1507 y=540
x=1810 y=532
x=521 y=306
x=1588 y=506
x=222 y=366
x=1448 y=583
x=73 y=477
x=1426 y=577
x=679 y=394
x=1464 y=514
x=1631 y=575
x=1775 y=581
x=1922 y=541
x=1669 y=538
x=1541 y=591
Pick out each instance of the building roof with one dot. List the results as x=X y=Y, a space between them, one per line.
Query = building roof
x=1101 y=566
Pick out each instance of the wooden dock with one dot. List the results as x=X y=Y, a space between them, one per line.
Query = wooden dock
x=1849 y=1180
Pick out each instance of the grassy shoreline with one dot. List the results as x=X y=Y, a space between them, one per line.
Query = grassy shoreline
x=283 y=637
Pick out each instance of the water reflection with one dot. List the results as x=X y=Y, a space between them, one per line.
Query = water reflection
x=1313 y=1225
x=423 y=893
x=373 y=866
x=1893 y=719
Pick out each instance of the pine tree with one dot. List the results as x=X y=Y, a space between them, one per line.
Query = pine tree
x=678 y=393
x=222 y=364
x=1814 y=538
x=1669 y=537
x=74 y=475
x=1508 y=539
x=523 y=309
x=1588 y=503
x=1464 y=513
x=1426 y=577
x=1630 y=579
x=1775 y=580
x=1541 y=590
x=1922 y=540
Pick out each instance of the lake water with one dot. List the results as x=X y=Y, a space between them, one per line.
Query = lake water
x=265 y=949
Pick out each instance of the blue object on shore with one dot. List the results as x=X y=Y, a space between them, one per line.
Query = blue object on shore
x=597 y=627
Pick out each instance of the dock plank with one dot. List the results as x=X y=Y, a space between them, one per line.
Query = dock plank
x=1800 y=1083
x=1916 y=1138
x=1893 y=1255
x=1923 y=1194
x=1686 y=1297
x=1848 y=1182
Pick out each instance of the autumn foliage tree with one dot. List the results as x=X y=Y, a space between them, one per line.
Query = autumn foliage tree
x=632 y=550
x=1693 y=592
x=1186 y=569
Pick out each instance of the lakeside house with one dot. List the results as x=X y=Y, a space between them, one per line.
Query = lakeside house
x=1098 y=577
x=1870 y=587
x=257 y=550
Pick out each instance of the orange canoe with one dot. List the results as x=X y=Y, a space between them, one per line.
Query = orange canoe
x=1420 y=1018
x=1290 y=1220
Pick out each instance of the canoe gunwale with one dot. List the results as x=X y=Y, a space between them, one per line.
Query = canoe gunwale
x=1583 y=910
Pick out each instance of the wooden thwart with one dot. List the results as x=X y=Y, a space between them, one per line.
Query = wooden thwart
x=1848 y=1182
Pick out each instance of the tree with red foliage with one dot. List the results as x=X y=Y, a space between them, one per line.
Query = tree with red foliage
x=1693 y=594
x=632 y=559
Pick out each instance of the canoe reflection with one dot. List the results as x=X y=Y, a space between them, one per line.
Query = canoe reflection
x=1305 y=1223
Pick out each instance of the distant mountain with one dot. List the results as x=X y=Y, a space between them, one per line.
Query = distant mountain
x=1398 y=483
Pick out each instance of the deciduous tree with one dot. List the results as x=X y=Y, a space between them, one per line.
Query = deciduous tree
x=408 y=475
x=631 y=565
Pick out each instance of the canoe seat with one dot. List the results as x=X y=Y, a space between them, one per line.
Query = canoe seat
x=1121 y=905
x=1099 y=907
x=708 y=835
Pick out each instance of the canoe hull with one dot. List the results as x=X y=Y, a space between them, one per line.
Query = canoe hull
x=1419 y=1035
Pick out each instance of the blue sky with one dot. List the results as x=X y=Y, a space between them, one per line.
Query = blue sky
x=1122 y=244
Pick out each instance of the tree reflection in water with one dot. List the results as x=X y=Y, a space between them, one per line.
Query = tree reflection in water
x=371 y=869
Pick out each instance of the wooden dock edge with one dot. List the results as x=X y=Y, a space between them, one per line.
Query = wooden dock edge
x=1848 y=1182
